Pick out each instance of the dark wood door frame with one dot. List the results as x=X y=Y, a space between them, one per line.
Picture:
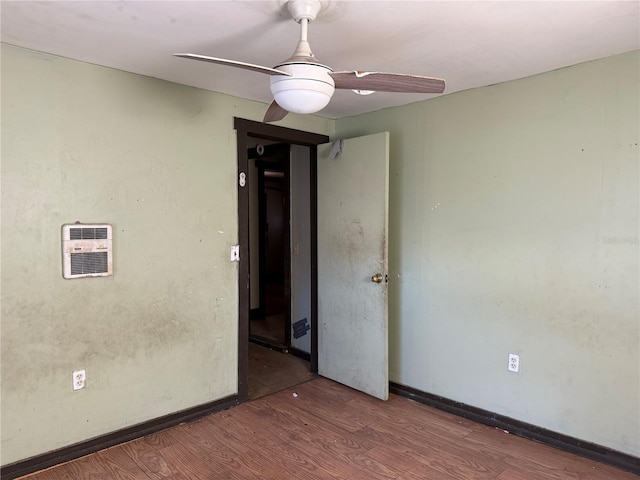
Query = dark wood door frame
x=246 y=132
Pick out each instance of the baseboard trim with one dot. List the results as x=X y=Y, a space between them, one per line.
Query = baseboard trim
x=563 y=442
x=65 y=454
x=296 y=352
x=270 y=344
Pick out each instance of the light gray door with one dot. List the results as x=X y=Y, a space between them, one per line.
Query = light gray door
x=353 y=195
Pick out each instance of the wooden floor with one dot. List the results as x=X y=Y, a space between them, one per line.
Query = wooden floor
x=322 y=430
x=271 y=371
x=269 y=328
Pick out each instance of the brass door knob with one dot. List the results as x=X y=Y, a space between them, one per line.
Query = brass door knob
x=377 y=278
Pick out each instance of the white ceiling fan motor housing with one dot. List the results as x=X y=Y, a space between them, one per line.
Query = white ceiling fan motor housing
x=308 y=90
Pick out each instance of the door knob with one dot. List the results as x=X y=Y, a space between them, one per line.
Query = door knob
x=377 y=278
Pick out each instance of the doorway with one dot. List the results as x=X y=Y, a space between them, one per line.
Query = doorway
x=283 y=247
x=269 y=234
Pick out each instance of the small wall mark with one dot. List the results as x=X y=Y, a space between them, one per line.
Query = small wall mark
x=300 y=328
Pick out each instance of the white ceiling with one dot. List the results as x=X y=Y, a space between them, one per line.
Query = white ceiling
x=468 y=43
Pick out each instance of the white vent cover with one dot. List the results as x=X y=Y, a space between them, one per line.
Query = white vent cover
x=86 y=250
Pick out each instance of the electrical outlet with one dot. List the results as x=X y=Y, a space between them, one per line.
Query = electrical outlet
x=514 y=363
x=79 y=379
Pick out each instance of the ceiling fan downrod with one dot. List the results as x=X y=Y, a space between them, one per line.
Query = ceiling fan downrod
x=303 y=49
x=303 y=12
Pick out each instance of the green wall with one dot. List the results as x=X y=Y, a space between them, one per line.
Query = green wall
x=514 y=229
x=158 y=161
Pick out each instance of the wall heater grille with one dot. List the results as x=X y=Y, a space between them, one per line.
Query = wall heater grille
x=87 y=250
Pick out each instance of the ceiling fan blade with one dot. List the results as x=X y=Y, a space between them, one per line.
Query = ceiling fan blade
x=232 y=63
x=387 y=82
x=274 y=113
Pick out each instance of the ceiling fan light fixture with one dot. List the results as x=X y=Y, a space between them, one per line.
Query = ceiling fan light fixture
x=301 y=100
x=309 y=90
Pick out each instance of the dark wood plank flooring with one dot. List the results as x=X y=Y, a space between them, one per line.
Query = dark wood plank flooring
x=328 y=431
x=271 y=371
x=269 y=329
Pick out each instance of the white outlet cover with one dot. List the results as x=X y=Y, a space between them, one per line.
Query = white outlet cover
x=514 y=363
x=235 y=253
x=79 y=379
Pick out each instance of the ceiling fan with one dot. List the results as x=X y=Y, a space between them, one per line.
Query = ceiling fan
x=301 y=84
